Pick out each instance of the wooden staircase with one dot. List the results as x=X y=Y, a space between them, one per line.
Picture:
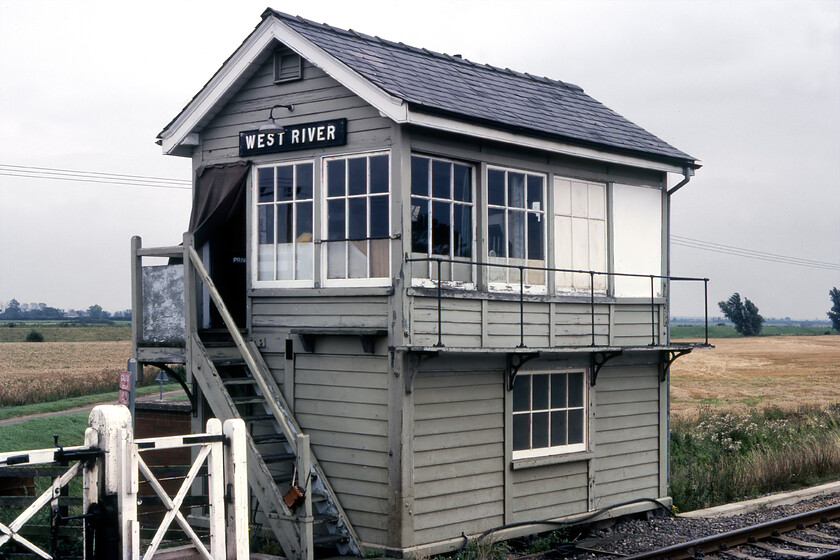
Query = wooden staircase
x=236 y=383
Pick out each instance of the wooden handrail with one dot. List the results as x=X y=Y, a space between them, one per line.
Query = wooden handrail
x=287 y=423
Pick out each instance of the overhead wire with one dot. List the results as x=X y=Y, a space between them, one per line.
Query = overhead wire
x=93 y=177
x=751 y=253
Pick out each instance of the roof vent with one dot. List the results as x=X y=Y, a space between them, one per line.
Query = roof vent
x=288 y=65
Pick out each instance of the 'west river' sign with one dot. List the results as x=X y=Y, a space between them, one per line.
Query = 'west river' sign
x=294 y=137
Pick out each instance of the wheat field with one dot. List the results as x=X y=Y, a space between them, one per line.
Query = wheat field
x=46 y=371
x=743 y=373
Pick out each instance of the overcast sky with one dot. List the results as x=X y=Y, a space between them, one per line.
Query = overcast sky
x=750 y=88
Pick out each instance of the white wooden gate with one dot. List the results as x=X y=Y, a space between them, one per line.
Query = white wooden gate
x=112 y=465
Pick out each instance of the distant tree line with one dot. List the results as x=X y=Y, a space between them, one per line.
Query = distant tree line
x=16 y=311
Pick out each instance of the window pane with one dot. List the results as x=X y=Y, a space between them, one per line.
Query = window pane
x=284 y=223
x=521 y=432
x=420 y=175
x=539 y=430
x=575 y=426
x=535 y=236
x=336 y=259
x=357 y=176
x=358 y=261
x=496 y=187
x=265 y=184
x=462 y=187
x=441 y=179
x=558 y=427
x=303 y=229
x=516 y=190
x=303 y=261
x=284 y=182
x=379 y=174
x=496 y=234
x=304 y=181
x=462 y=230
x=357 y=218
x=440 y=228
x=379 y=216
x=419 y=225
x=265 y=219
x=540 y=392
x=516 y=223
x=379 y=258
x=558 y=390
x=284 y=261
x=335 y=177
x=535 y=192
x=576 y=389
x=335 y=219
x=522 y=393
x=265 y=258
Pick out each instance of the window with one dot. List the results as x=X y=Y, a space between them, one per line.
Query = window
x=637 y=244
x=515 y=226
x=288 y=66
x=357 y=219
x=580 y=234
x=441 y=217
x=549 y=413
x=283 y=195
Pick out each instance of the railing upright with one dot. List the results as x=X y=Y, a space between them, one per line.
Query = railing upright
x=706 y=305
x=652 y=314
x=439 y=306
x=592 y=304
x=521 y=307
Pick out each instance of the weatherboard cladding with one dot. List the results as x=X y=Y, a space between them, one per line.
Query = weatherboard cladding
x=441 y=84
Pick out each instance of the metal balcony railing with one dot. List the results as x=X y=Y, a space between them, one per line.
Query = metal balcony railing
x=592 y=274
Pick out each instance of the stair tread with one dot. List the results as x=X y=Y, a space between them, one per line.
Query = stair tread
x=258 y=417
x=249 y=400
x=240 y=381
x=269 y=438
x=329 y=539
x=275 y=457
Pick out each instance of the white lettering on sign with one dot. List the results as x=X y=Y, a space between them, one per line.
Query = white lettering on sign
x=295 y=136
x=331 y=132
x=249 y=141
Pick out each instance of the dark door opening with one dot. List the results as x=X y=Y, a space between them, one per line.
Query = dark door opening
x=228 y=269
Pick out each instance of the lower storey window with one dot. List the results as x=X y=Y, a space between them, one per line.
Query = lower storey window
x=549 y=413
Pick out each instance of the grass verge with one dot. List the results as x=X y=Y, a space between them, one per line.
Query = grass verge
x=727 y=331
x=718 y=458
x=75 y=402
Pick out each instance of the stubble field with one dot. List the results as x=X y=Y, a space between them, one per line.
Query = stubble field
x=758 y=372
x=45 y=371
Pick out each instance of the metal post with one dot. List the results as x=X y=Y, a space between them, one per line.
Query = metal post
x=521 y=307
x=706 y=305
x=440 y=312
x=652 y=315
x=592 y=303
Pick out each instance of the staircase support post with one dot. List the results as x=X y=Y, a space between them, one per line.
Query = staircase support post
x=304 y=470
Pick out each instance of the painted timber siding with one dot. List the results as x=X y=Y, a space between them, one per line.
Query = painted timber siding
x=550 y=491
x=317 y=97
x=341 y=401
x=326 y=311
x=458 y=448
x=626 y=434
x=484 y=321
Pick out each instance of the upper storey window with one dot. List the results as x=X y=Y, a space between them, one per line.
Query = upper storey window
x=442 y=216
x=516 y=227
x=357 y=224
x=284 y=224
x=580 y=234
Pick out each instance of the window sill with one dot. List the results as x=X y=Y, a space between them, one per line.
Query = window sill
x=558 y=459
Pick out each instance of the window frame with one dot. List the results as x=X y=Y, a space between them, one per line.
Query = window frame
x=430 y=199
x=549 y=451
x=602 y=282
x=325 y=242
x=513 y=284
x=255 y=224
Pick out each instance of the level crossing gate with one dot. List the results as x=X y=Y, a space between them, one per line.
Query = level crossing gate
x=111 y=464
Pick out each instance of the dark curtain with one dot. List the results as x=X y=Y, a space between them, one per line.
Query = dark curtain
x=219 y=195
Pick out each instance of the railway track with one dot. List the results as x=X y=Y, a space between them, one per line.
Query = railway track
x=814 y=534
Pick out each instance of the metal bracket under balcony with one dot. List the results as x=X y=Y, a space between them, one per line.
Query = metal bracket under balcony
x=367 y=336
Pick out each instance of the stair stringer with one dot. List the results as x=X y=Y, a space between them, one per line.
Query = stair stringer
x=278 y=515
x=320 y=482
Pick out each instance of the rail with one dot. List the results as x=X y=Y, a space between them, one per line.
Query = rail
x=592 y=293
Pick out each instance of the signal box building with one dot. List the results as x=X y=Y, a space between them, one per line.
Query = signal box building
x=437 y=290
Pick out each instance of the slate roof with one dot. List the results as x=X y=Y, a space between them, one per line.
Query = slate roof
x=450 y=86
